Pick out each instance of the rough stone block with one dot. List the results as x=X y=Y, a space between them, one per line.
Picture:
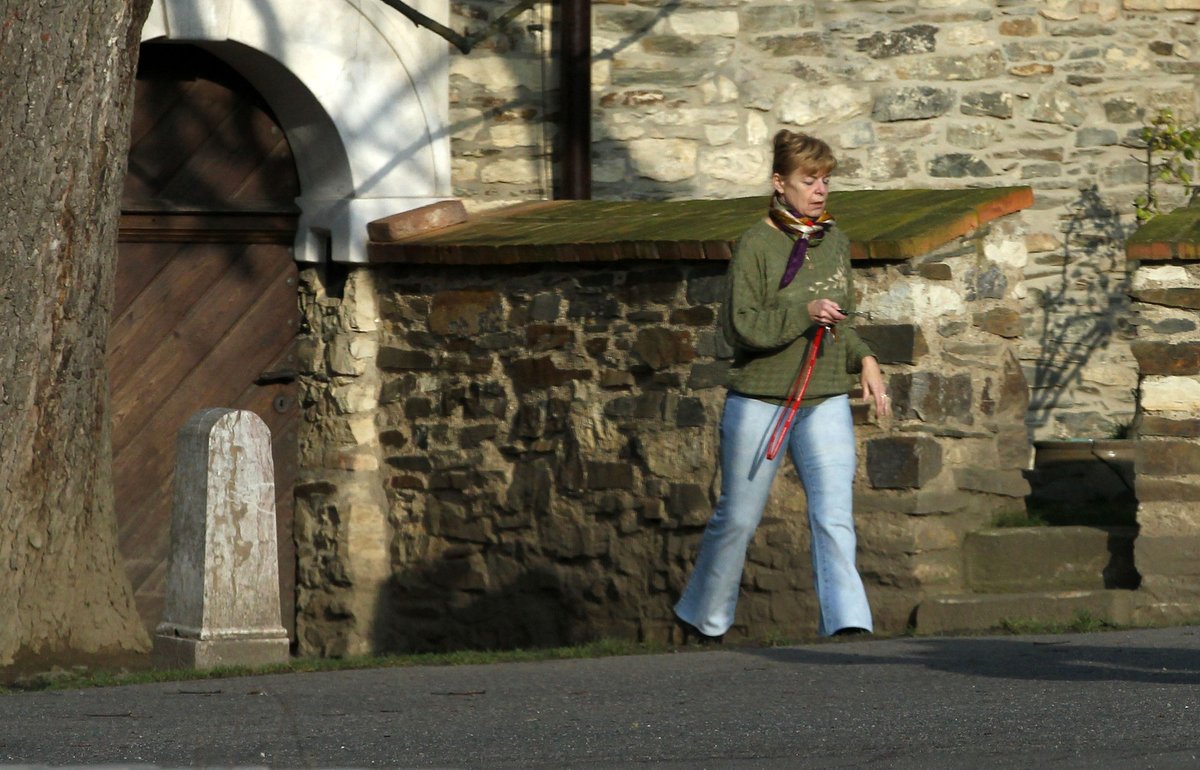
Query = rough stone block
x=958 y=165
x=1155 y=490
x=1168 y=555
x=431 y=217
x=485 y=399
x=1013 y=399
x=992 y=481
x=1022 y=27
x=1032 y=69
x=706 y=289
x=932 y=397
x=539 y=373
x=544 y=307
x=1170 y=394
x=979 y=612
x=690 y=413
x=894 y=343
x=397 y=360
x=616 y=379
x=660 y=348
x=594 y=307
x=919 y=38
x=994 y=104
x=455 y=521
x=1059 y=105
x=1150 y=425
x=474 y=435
x=1167 y=517
x=1156 y=357
x=1186 y=298
x=412 y=463
x=548 y=337
x=1167 y=458
x=693 y=316
x=708 y=375
x=914 y=103
x=647 y=406
x=466 y=313
x=1050 y=558
x=532 y=488
x=903 y=461
x=416 y=407
x=1003 y=322
x=689 y=504
x=987 y=283
x=604 y=475
x=803 y=44
x=935 y=271
x=222 y=598
x=981 y=66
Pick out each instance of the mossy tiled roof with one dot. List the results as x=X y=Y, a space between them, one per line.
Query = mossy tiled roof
x=882 y=224
x=1168 y=236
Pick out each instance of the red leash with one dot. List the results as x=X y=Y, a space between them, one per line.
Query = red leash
x=779 y=432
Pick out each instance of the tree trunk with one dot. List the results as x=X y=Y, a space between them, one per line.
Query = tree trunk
x=66 y=75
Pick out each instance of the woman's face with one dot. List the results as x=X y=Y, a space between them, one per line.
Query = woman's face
x=804 y=190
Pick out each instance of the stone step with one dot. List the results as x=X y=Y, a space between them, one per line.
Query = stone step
x=1023 y=559
x=982 y=612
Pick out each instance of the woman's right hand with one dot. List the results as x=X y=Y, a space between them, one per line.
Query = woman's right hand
x=825 y=312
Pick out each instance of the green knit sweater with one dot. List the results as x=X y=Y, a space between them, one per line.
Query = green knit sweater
x=769 y=328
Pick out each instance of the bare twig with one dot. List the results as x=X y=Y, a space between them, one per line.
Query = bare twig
x=463 y=43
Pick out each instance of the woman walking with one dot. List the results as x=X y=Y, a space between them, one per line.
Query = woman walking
x=789 y=288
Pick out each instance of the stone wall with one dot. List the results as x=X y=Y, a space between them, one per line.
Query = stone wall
x=515 y=454
x=928 y=93
x=1165 y=266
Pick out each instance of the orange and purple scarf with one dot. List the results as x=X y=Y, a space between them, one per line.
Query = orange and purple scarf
x=805 y=230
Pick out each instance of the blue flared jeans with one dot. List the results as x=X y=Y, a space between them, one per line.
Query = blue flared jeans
x=821 y=444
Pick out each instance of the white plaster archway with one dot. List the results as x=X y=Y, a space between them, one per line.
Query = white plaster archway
x=361 y=93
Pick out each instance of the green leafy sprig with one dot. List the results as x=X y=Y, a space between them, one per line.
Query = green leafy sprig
x=1177 y=147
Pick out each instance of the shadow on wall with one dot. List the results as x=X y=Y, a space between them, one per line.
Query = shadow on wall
x=1080 y=315
x=444 y=606
x=1083 y=483
x=642 y=155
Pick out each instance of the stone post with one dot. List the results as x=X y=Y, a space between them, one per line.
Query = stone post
x=222 y=602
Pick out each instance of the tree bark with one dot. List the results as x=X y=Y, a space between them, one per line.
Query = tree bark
x=66 y=77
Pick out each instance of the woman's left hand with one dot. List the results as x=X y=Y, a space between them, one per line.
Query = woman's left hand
x=872 y=386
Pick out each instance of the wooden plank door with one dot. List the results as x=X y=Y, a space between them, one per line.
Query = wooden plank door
x=206 y=310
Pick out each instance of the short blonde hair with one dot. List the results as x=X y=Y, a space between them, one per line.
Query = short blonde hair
x=794 y=150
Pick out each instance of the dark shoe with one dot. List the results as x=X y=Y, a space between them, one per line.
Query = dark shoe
x=694 y=636
x=851 y=631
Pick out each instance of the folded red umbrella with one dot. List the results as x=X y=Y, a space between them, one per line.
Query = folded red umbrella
x=780 y=431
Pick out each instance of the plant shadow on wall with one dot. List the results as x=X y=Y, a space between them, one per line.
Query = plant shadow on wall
x=1081 y=312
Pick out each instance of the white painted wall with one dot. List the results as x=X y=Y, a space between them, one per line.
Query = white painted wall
x=361 y=93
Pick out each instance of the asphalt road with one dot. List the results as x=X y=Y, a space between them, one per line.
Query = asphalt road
x=1125 y=699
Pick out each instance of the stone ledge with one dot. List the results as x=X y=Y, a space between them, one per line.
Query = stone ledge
x=885 y=225
x=981 y=612
x=1173 y=236
x=176 y=652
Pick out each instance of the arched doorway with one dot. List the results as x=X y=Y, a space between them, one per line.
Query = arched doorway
x=205 y=312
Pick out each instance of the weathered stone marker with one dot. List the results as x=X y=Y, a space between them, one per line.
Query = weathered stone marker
x=222 y=602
